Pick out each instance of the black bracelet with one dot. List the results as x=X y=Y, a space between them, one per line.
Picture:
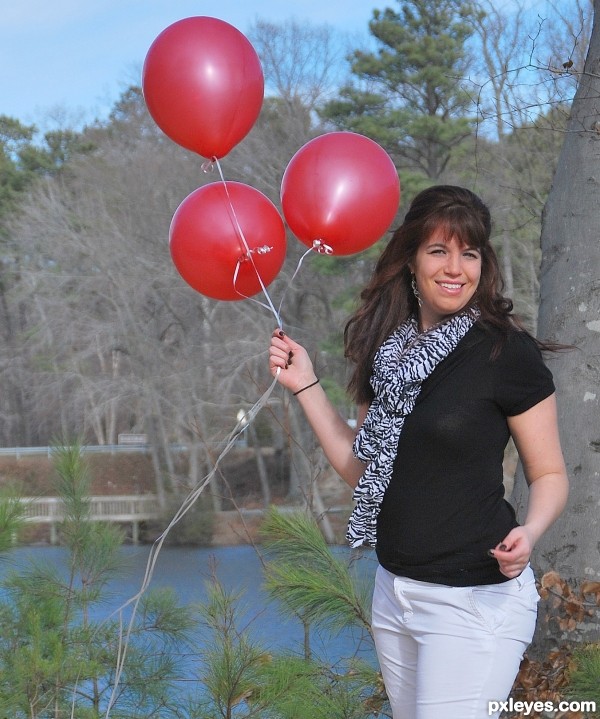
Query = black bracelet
x=312 y=384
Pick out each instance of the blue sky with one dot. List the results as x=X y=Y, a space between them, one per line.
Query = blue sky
x=79 y=55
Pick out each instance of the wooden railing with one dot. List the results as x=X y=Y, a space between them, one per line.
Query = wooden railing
x=108 y=508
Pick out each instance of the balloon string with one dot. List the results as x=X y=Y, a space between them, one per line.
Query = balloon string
x=291 y=282
x=253 y=299
x=317 y=246
x=248 y=253
x=125 y=634
x=240 y=427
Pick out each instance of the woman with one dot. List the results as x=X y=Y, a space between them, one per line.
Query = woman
x=443 y=376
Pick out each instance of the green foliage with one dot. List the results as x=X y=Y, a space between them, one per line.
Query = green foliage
x=73 y=483
x=305 y=576
x=409 y=99
x=584 y=676
x=93 y=546
x=156 y=657
x=231 y=661
x=159 y=611
x=13 y=137
x=22 y=160
x=242 y=678
x=60 y=147
x=56 y=657
x=11 y=518
x=298 y=689
x=31 y=645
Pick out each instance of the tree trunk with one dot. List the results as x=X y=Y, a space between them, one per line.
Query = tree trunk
x=260 y=466
x=570 y=313
x=507 y=262
x=301 y=464
x=156 y=443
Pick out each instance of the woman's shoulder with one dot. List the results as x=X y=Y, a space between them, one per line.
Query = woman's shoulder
x=507 y=342
x=520 y=375
x=511 y=354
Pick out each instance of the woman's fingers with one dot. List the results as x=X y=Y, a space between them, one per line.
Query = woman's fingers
x=289 y=361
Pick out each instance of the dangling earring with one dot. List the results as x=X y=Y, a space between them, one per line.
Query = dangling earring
x=415 y=289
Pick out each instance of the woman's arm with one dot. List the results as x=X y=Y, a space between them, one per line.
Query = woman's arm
x=536 y=437
x=290 y=363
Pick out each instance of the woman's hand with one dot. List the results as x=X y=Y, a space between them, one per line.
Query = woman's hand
x=514 y=552
x=289 y=362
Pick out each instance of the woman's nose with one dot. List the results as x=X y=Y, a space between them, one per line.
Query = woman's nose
x=453 y=264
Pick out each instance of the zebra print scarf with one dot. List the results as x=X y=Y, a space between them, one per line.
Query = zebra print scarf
x=400 y=366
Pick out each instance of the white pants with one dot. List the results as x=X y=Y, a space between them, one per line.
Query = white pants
x=445 y=652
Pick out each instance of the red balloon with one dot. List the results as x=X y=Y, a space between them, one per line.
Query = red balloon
x=208 y=248
x=203 y=85
x=341 y=189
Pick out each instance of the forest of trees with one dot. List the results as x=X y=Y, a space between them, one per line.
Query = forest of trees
x=101 y=335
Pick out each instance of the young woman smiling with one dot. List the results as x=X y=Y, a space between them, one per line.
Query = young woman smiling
x=446 y=274
x=443 y=375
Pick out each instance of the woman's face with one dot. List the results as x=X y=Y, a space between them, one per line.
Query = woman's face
x=447 y=275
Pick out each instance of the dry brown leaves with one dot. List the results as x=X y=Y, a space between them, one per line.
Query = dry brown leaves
x=546 y=680
x=572 y=607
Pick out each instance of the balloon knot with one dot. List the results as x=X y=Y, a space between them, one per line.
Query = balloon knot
x=208 y=165
x=262 y=250
x=320 y=247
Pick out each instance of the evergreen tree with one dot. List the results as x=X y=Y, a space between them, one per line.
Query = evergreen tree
x=57 y=658
x=14 y=137
x=22 y=159
x=242 y=678
x=408 y=95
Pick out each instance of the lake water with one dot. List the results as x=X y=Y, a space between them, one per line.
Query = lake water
x=187 y=570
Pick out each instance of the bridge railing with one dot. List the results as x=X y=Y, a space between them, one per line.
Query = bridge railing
x=109 y=508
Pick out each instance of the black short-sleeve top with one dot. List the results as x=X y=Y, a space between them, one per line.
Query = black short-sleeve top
x=444 y=507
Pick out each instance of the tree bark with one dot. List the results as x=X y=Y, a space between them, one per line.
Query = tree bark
x=260 y=466
x=301 y=464
x=570 y=313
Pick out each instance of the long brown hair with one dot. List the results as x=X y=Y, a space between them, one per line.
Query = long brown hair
x=388 y=300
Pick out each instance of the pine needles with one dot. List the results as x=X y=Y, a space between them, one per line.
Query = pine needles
x=305 y=576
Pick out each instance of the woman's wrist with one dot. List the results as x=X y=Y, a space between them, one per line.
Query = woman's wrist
x=306 y=386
